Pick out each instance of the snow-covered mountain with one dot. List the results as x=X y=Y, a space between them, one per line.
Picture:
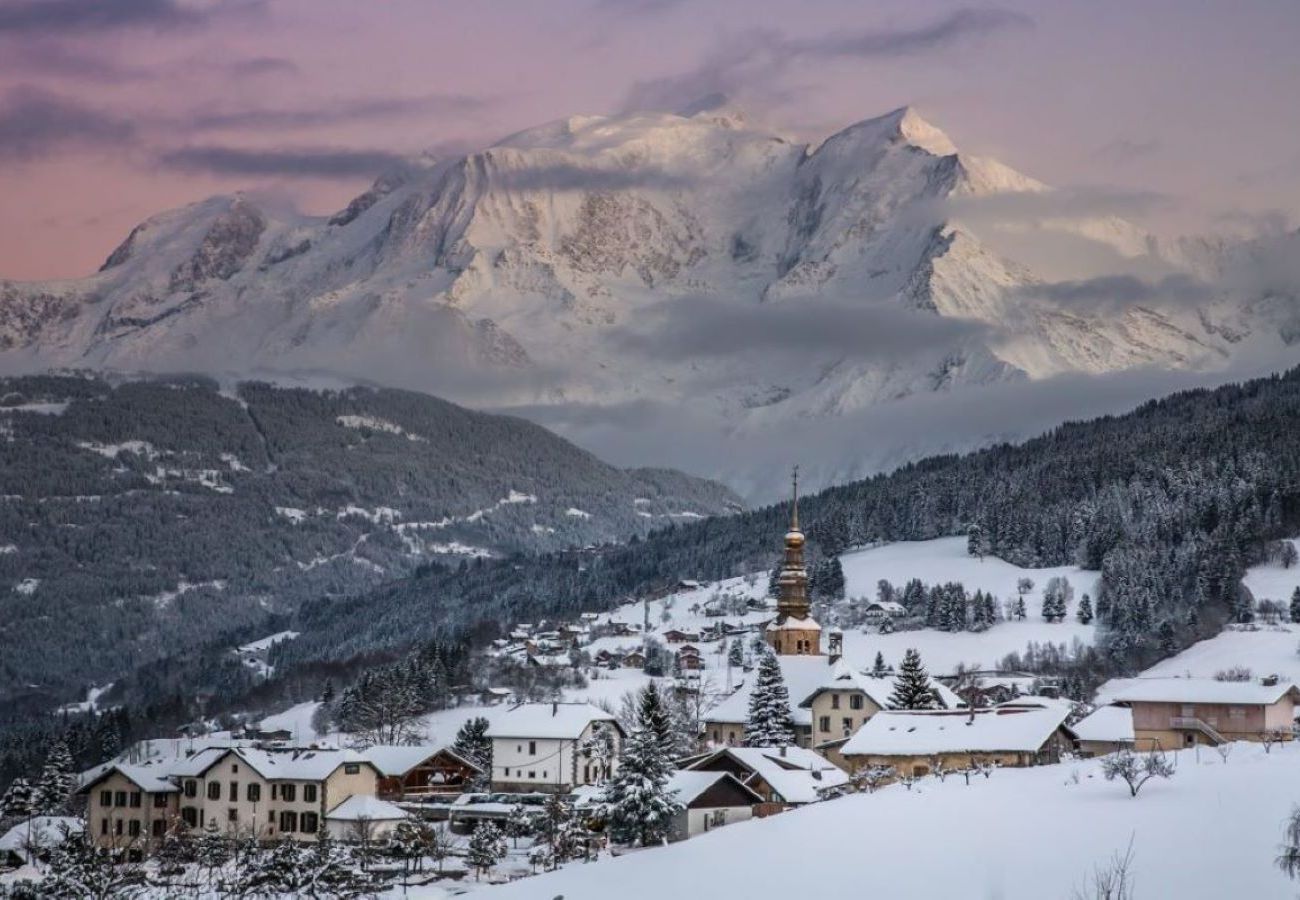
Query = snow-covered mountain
x=690 y=260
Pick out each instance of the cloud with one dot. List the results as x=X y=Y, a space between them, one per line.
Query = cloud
x=637 y=7
x=754 y=62
x=34 y=122
x=64 y=16
x=688 y=327
x=1081 y=202
x=1117 y=293
x=1124 y=151
x=302 y=162
x=335 y=112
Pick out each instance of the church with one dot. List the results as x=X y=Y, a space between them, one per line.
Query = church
x=794 y=632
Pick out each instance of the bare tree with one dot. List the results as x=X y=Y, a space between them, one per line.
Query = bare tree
x=938 y=768
x=1112 y=881
x=1274 y=736
x=1136 y=770
x=1224 y=750
x=872 y=777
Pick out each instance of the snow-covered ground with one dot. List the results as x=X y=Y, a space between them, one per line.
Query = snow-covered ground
x=1024 y=834
x=1272 y=582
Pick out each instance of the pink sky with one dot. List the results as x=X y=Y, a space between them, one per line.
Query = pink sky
x=112 y=110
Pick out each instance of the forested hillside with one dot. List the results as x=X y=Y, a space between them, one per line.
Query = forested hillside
x=142 y=519
x=1170 y=502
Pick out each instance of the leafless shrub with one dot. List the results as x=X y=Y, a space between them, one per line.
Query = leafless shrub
x=1111 y=881
x=1135 y=770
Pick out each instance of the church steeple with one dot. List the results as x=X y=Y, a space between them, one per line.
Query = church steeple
x=794 y=631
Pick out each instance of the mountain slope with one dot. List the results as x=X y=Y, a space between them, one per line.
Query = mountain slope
x=141 y=518
x=568 y=263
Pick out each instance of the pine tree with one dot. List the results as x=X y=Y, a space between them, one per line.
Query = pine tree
x=886 y=625
x=1168 y=638
x=79 y=869
x=639 y=806
x=912 y=688
x=18 y=799
x=486 y=846
x=559 y=831
x=473 y=744
x=830 y=579
x=769 y=723
x=1084 y=613
x=736 y=653
x=975 y=542
x=1020 y=612
x=878 y=668
x=653 y=715
x=57 y=780
x=519 y=823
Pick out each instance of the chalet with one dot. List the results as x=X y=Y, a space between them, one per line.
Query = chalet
x=494 y=695
x=1106 y=730
x=414 y=773
x=782 y=776
x=689 y=662
x=676 y=636
x=553 y=747
x=588 y=617
x=710 y=800
x=845 y=699
x=1181 y=712
x=913 y=741
x=634 y=660
x=131 y=808
x=609 y=659
x=877 y=611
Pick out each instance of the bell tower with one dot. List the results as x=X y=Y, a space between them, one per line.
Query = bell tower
x=794 y=632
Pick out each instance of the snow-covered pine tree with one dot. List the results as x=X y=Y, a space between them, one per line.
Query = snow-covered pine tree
x=1020 y=612
x=640 y=809
x=472 y=743
x=975 y=541
x=1084 y=612
x=57 y=780
x=18 y=800
x=912 y=688
x=769 y=723
x=519 y=823
x=77 y=868
x=830 y=580
x=878 y=668
x=736 y=653
x=486 y=847
x=886 y=624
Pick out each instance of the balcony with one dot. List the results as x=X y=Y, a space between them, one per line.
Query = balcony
x=1191 y=723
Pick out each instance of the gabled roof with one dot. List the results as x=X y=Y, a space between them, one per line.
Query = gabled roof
x=1196 y=690
x=797 y=774
x=396 y=761
x=842 y=678
x=919 y=733
x=689 y=784
x=366 y=807
x=274 y=765
x=152 y=779
x=801 y=674
x=1107 y=723
x=549 y=720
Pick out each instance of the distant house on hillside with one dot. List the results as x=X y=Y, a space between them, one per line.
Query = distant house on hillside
x=1182 y=712
x=676 y=636
x=913 y=740
x=552 y=747
x=877 y=611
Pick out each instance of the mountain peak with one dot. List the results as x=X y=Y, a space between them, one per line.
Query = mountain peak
x=909 y=125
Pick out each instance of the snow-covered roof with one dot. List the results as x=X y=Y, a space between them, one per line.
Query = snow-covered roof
x=398 y=760
x=1195 y=690
x=916 y=733
x=797 y=774
x=40 y=831
x=1107 y=723
x=802 y=674
x=548 y=720
x=152 y=779
x=842 y=678
x=273 y=765
x=889 y=606
x=366 y=807
x=790 y=623
x=689 y=784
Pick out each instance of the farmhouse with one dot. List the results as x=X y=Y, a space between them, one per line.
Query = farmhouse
x=913 y=741
x=710 y=800
x=1106 y=730
x=363 y=818
x=1181 y=712
x=782 y=776
x=553 y=747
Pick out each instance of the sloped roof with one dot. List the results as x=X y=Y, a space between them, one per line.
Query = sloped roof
x=1107 y=723
x=548 y=720
x=918 y=733
x=1195 y=690
x=398 y=760
x=152 y=779
x=360 y=807
x=689 y=784
x=40 y=831
x=801 y=673
x=797 y=774
x=274 y=765
x=843 y=678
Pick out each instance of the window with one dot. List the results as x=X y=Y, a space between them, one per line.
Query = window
x=310 y=823
x=103 y=826
x=117 y=827
x=835 y=701
x=119 y=798
x=848 y=725
x=134 y=829
x=352 y=769
x=234 y=791
x=1188 y=711
x=136 y=800
x=105 y=798
x=190 y=816
x=234 y=767
x=288 y=793
x=856 y=701
x=519 y=748
x=274 y=791
x=532 y=774
x=232 y=814
x=1237 y=712
x=159 y=801
x=532 y=748
x=214 y=790
x=824 y=723
x=191 y=788
x=288 y=822
x=544 y=775
x=254 y=793
x=159 y=827
x=309 y=794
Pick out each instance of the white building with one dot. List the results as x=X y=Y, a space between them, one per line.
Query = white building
x=553 y=747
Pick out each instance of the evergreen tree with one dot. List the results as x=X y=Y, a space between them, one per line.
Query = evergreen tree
x=486 y=847
x=57 y=780
x=774 y=581
x=519 y=823
x=769 y=723
x=912 y=688
x=878 y=668
x=1168 y=638
x=1020 y=612
x=472 y=743
x=1084 y=613
x=736 y=653
x=886 y=625
x=830 y=579
x=975 y=542
x=559 y=832
x=19 y=799
x=79 y=869
x=654 y=716
x=640 y=809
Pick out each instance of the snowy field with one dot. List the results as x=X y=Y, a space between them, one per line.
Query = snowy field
x=1025 y=834
x=1272 y=582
